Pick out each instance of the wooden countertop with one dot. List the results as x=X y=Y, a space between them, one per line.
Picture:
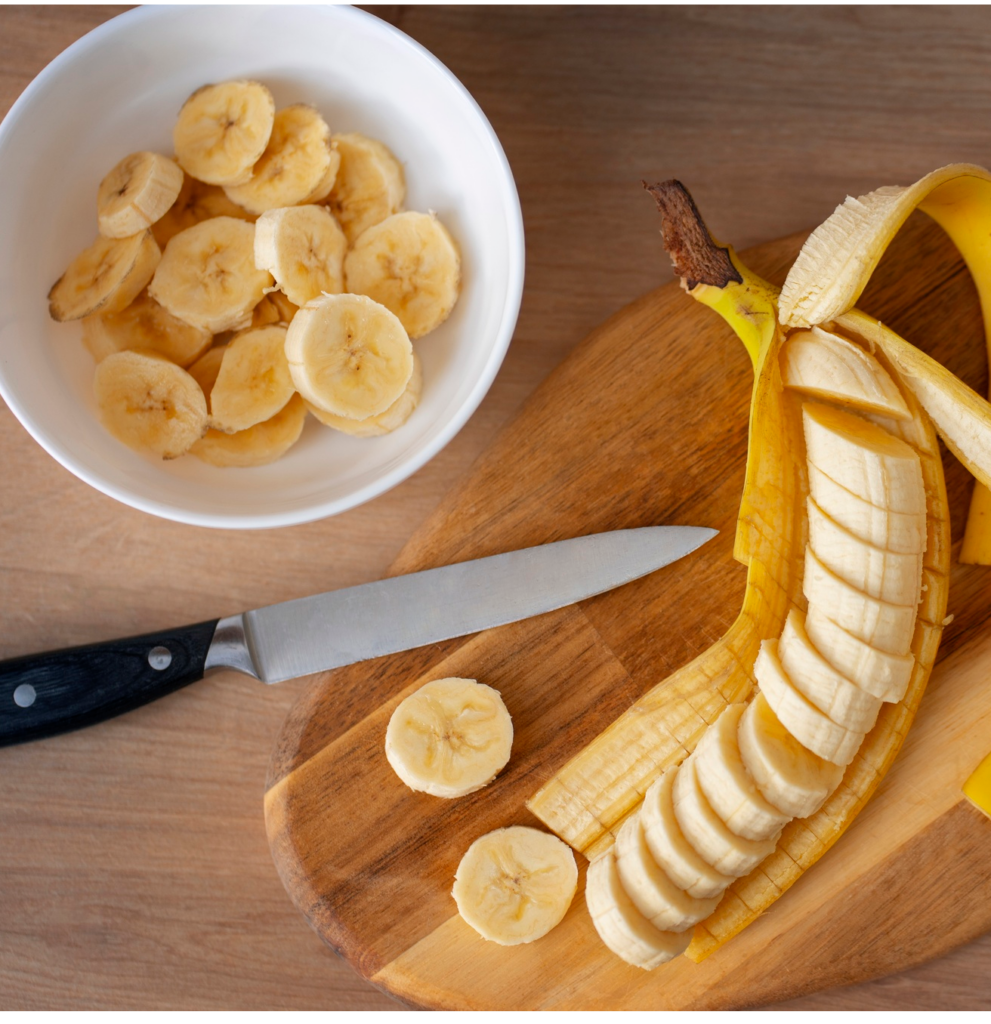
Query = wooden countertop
x=134 y=870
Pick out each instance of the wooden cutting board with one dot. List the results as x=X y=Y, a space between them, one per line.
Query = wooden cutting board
x=645 y=423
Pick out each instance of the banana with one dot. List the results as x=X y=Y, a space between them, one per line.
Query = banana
x=105 y=278
x=253 y=383
x=256 y=446
x=150 y=404
x=303 y=248
x=621 y=926
x=827 y=365
x=370 y=184
x=144 y=324
x=410 y=264
x=207 y=276
x=977 y=788
x=450 y=737
x=196 y=202
x=515 y=884
x=348 y=355
x=296 y=164
x=205 y=370
x=222 y=131
x=136 y=193
x=374 y=426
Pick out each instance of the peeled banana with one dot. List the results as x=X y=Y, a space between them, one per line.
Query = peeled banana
x=253 y=382
x=303 y=248
x=370 y=184
x=136 y=193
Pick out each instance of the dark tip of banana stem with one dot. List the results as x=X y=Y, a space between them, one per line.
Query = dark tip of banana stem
x=696 y=257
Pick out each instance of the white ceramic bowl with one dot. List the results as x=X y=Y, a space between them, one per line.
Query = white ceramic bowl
x=118 y=90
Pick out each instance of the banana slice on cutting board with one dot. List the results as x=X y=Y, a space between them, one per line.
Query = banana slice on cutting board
x=150 y=404
x=146 y=325
x=370 y=184
x=303 y=248
x=136 y=193
x=450 y=737
x=222 y=131
x=410 y=264
x=348 y=355
x=253 y=383
x=515 y=884
x=295 y=166
x=104 y=278
x=207 y=276
x=195 y=203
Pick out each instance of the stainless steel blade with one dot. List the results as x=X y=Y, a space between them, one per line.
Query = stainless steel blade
x=313 y=634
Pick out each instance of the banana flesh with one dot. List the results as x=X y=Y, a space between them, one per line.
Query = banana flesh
x=196 y=202
x=257 y=445
x=369 y=186
x=253 y=382
x=137 y=192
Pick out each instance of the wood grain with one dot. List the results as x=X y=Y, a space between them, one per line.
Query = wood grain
x=134 y=871
x=630 y=430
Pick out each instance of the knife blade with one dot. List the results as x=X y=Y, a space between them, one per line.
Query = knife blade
x=47 y=694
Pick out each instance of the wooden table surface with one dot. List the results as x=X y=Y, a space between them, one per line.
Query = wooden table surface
x=134 y=870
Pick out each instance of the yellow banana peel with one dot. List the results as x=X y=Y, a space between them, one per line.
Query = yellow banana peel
x=977 y=789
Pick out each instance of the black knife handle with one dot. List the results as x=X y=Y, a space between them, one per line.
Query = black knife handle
x=47 y=694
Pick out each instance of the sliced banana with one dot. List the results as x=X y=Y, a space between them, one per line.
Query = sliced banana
x=254 y=381
x=515 y=884
x=654 y=894
x=410 y=264
x=370 y=185
x=395 y=416
x=725 y=851
x=621 y=926
x=150 y=404
x=303 y=248
x=146 y=325
x=813 y=729
x=205 y=370
x=196 y=202
x=669 y=847
x=451 y=737
x=258 y=445
x=104 y=278
x=136 y=193
x=348 y=355
x=788 y=775
x=728 y=786
x=885 y=676
x=207 y=276
x=294 y=166
x=222 y=131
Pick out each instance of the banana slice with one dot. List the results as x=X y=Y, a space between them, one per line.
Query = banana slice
x=829 y=366
x=816 y=680
x=722 y=849
x=254 y=382
x=208 y=277
x=887 y=575
x=814 y=730
x=410 y=264
x=348 y=355
x=654 y=894
x=903 y=532
x=669 y=847
x=222 y=131
x=515 y=884
x=136 y=193
x=885 y=676
x=206 y=369
x=449 y=738
x=370 y=185
x=864 y=458
x=728 y=786
x=104 y=278
x=150 y=404
x=888 y=627
x=303 y=248
x=621 y=926
x=258 y=445
x=295 y=165
x=789 y=776
x=145 y=325
x=196 y=202
x=395 y=416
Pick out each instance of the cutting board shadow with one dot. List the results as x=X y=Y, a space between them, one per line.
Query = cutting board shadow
x=645 y=423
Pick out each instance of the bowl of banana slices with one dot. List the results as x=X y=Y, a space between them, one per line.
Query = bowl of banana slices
x=261 y=263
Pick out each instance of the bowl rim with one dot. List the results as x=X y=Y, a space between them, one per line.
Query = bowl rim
x=514 y=295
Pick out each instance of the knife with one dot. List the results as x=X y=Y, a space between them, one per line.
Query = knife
x=55 y=692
